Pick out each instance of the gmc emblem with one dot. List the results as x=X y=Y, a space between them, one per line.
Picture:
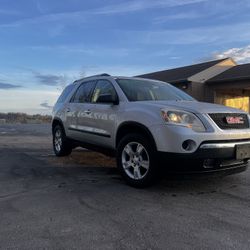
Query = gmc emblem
x=234 y=120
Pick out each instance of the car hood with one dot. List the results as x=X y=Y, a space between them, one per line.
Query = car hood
x=194 y=106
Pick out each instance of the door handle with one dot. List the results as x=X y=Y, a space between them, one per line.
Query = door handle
x=87 y=112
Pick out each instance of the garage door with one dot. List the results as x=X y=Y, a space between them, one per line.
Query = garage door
x=235 y=101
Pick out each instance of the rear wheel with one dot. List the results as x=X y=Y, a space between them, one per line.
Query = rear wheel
x=61 y=144
x=136 y=160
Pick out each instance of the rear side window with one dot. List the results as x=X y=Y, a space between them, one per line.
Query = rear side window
x=83 y=93
x=65 y=93
x=103 y=87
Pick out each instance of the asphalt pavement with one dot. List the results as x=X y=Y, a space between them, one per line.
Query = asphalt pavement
x=80 y=202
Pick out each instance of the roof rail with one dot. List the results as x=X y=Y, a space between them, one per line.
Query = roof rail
x=103 y=74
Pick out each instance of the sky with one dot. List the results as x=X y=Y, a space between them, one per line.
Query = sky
x=45 y=45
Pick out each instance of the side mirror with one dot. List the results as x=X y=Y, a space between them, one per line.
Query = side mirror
x=107 y=98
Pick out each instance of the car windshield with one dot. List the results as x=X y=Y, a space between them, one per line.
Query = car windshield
x=149 y=90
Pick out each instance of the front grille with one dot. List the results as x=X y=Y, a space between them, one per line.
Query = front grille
x=221 y=120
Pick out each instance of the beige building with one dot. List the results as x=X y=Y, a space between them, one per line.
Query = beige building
x=220 y=81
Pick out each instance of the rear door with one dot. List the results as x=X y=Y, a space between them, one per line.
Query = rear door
x=63 y=107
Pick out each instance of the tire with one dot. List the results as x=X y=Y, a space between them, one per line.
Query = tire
x=61 y=145
x=136 y=160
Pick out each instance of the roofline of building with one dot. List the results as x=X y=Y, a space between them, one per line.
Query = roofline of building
x=180 y=81
x=243 y=78
x=219 y=60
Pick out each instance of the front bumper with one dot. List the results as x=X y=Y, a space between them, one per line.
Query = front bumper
x=171 y=138
x=210 y=157
x=213 y=149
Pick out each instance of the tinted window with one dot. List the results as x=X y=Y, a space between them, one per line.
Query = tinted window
x=65 y=93
x=103 y=87
x=146 y=90
x=83 y=93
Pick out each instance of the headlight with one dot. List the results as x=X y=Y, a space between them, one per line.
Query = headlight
x=183 y=118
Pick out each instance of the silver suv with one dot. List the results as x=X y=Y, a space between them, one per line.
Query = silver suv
x=147 y=124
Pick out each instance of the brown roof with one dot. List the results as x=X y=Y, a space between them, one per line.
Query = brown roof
x=238 y=72
x=180 y=74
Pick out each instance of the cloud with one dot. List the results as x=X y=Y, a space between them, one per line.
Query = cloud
x=179 y=16
x=218 y=10
x=9 y=86
x=140 y=5
x=90 y=50
x=39 y=6
x=77 y=16
x=241 y=55
x=51 y=79
x=221 y=34
x=46 y=105
x=9 y=12
x=121 y=70
x=81 y=16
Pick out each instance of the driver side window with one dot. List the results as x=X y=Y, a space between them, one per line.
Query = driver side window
x=103 y=87
x=83 y=93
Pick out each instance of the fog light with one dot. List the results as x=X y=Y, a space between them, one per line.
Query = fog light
x=189 y=145
x=209 y=163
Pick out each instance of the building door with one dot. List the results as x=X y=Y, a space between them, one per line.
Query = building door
x=233 y=98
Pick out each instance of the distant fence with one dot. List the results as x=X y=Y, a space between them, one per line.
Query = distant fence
x=23 y=118
x=2 y=121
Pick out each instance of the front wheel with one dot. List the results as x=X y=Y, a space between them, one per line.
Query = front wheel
x=61 y=144
x=136 y=160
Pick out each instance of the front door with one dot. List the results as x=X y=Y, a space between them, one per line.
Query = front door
x=103 y=115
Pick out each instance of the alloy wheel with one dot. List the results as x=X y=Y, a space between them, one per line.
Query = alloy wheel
x=135 y=160
x=58 y=140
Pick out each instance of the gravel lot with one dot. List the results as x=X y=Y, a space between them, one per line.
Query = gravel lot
x=80 y=202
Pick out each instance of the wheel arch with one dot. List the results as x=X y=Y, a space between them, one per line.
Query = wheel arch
x=133 y=127
x=55 y=122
